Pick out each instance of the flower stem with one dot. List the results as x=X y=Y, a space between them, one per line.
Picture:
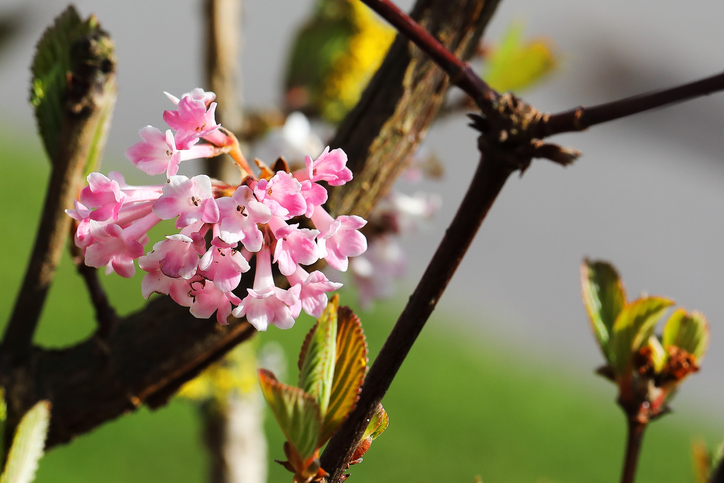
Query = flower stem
x=633 y=446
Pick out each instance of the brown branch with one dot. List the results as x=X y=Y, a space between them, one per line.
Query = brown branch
x=493 y=170
x=144 y=361
x=105 y=313
x=223 y=75
x=545 y=125
x=88 y=102
x=633 y=446
x=582 y=118
x=381 y=133
x=460 y=73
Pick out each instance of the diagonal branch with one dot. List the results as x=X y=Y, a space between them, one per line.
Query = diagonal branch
x=144 y=360
x=582 y=118
x=544 y=125
x=381 y=133
x=493 y=170
x=459 y=72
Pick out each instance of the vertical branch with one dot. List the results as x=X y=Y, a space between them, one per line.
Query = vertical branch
x=633 y=446
x=223 y=46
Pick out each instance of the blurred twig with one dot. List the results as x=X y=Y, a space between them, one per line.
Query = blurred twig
x=633 y=447
x=223 y=74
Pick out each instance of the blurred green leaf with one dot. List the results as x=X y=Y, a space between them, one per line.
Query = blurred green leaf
x=28 y=445
x=604 y=298
x=3 y=417
x=687 y=331
x=516 y=63
x=316 y=360
x=657 y=353
x=333 y=57
x=50 y=68
x=3 y=407
x=296 y=412
x=632 y=329
x=349 y=371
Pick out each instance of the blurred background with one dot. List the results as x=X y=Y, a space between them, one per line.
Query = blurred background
x=646 y=195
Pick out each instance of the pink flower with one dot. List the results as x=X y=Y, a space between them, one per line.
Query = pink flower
x=267 y=304
x=114 y=219
x=156 y=282
x=177 y=255
x=330 y=166
x=116 y=248
x=294 y=246
x=339 y=238
x=103 y=194
x=207 y=97
x=224 y=265
x=282 y=195
x=193 y=120
x=314 y=287
x=314 y=194
x=207 y=299
x=157 y=153
x=190 y=199
x=239 y=216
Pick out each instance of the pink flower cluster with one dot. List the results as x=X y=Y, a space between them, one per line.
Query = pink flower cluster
x=259 y=218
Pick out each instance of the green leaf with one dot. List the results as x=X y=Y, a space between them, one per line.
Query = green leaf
x=378 y=423
x=516 y=64
x=657 y=353
x=349 y=371
x=296 y=412
x=632 y=329
x=687 y=331
x=28 y=445
x=316 y=360
x=73 y=86
x=604 y=298
x=50 y=68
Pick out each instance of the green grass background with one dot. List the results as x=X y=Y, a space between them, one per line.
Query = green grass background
x=462 y=405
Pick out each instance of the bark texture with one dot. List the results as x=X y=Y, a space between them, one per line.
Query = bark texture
x=401 y=101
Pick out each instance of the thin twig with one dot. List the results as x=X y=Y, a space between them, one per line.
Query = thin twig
x=582 y=118
x=577 y=119
x=223 y=74
x=460 y=73
x=105 y=313
x=633 y=446
x=484 y=188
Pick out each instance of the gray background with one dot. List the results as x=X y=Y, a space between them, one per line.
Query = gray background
x=647 y=195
